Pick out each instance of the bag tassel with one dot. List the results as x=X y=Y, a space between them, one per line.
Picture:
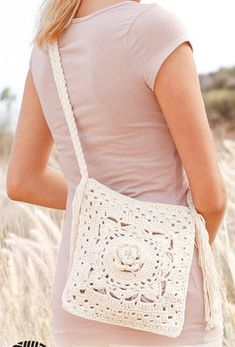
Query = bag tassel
x=212 y=294
x=211 y=286
x=76 y=205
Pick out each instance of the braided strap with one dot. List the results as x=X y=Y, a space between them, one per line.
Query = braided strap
x=128 y=254
x=60 y=80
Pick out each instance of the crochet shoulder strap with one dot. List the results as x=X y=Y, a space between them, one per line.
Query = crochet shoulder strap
x=212 y=295
x=59 y=76
x=54 y=54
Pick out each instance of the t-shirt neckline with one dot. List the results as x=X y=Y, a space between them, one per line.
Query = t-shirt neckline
x=83 y=18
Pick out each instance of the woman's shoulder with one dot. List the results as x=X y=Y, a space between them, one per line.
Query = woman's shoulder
x=152 y=35
x=38 y=56
x=152 y=18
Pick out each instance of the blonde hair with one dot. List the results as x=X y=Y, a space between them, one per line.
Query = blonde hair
x=54 y=17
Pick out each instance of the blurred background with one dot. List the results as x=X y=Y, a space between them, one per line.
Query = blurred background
x=30 y=235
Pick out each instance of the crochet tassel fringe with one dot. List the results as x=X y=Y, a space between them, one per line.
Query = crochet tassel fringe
x=76 y=205
x=211 y=287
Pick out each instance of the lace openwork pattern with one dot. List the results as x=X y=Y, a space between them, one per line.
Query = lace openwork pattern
x=131 y=261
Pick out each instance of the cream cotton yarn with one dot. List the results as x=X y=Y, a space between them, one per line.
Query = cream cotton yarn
x=130 y=259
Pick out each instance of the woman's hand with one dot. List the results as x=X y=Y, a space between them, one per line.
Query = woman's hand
x=29 y=178
x=178 y=91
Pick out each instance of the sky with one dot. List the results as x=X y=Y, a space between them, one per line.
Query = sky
x=210 y=24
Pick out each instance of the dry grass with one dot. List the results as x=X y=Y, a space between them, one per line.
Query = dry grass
x=29 y=240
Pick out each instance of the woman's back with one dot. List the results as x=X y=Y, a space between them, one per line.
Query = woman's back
x=124 y=135
x=111 y=58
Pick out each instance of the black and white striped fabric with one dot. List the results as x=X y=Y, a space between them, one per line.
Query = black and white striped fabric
x=29 y=344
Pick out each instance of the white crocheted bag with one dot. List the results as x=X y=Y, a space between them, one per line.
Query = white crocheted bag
x=130 y=259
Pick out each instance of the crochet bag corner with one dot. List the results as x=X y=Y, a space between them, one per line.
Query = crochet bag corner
x=130 y=259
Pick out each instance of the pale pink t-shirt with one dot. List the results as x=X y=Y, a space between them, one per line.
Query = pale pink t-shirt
x=111 y=58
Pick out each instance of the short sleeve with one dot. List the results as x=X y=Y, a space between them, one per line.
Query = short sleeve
x=151 y=37
x=31 y=58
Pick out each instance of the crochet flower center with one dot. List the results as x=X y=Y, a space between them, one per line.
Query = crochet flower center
x=128 y=257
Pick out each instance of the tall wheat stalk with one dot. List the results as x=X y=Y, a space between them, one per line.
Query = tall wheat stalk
x=29 y=240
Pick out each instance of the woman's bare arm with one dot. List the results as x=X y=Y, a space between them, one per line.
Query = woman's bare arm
x=178 y=91
x=29 y=178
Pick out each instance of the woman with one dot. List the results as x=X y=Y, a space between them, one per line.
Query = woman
x=144 y=131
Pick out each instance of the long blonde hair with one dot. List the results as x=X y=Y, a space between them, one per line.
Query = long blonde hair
x=54 y=17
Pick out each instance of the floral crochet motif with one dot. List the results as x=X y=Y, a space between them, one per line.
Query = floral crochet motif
x=128 y=257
